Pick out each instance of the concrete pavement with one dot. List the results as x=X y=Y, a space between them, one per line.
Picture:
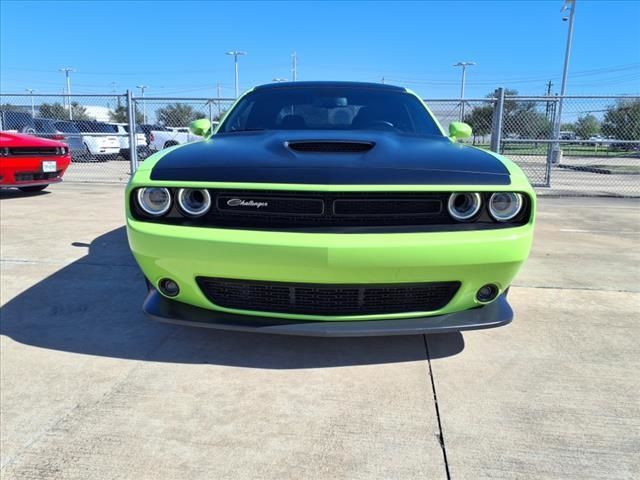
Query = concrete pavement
x=91 y=389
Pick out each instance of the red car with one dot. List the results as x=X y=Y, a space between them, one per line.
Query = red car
x=31 y=163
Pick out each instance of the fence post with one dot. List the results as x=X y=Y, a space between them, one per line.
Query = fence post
x=133 y=147
x=496 y=124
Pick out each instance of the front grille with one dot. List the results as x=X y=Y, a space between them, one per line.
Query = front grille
x=294 y=210
x=325 y=299
x=30 y=176
x=33 y=151
x=330 y=147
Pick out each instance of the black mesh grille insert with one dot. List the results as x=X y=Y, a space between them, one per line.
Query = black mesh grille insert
x=30 y=176
x=326 y=299
x=332 y=147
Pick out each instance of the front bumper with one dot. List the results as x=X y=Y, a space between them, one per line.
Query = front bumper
x=13 y=169
x=473 y=258
x=495 y=314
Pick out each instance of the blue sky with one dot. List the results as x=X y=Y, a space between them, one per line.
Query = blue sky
x=177 y=48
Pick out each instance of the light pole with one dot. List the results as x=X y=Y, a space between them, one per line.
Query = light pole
x=236 y=54
x=67 y=71
x=571 y=6
x=278 y=79
x=33 y=107
x=464 y=66
x=144 y=106
x=294 y=66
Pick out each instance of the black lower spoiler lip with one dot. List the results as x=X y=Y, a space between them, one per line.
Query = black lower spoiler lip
x=162 y=309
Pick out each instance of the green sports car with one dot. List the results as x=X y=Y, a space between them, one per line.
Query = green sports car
x=330 y=208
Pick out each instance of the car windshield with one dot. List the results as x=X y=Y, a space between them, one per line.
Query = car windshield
x=67 y=127
x=44 y=126
x=330 y=108
x=138 y=129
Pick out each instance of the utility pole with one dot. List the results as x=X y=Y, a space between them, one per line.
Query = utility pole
x=571 y=6
x=67 y=71
x=113 y=90
x=218 y=96
x=548 y=106
x=33 y=107
x=236 y=54
x=144 y=106
x=464 y=66
x=383 y=80
x=294 y=66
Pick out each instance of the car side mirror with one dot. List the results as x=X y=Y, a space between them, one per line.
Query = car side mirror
x=202 y=128
x=459 y=131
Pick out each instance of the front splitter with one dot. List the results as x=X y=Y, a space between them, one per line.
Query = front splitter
x=162 y=309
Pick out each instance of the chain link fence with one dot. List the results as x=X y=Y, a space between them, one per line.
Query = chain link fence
x=93 y=126
x=594 y=151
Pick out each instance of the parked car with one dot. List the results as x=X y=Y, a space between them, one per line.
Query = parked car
x=148 y=133
x=65 y=132
x=12 y=121
x=599 y=141
x=164 y=137
x=99 y=138
x=122 y=131
x=302 y=223
x=30 y=163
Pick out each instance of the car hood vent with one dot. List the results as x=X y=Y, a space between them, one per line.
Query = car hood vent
x=330 y=146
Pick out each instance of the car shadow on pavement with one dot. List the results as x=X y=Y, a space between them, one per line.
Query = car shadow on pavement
x=11 y=193
x=93 y=307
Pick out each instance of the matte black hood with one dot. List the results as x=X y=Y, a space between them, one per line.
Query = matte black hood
x=393 y=159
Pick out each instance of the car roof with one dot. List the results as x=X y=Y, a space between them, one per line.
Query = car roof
x=329 y=84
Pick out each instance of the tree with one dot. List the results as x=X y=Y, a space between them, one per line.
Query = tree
x=120 y=115
x=522 y=119
x=622 y=120
x=9 y=107
x=60 y=112
x=178 y=115
x=587 y=126
x=480 y=120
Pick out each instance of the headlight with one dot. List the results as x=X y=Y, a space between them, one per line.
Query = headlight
x=154 y=201
x=464 y=206
x=504 y=206
x=194 y=202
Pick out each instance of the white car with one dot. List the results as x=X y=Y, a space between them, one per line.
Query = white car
x=599 y=141
x=165 y=137
x=100 y=139
x=122 y=130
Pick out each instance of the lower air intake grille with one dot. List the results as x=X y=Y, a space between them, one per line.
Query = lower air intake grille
x=30 y=176
x=325 y=299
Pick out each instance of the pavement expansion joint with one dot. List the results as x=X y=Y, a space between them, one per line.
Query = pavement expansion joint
x=437 y=408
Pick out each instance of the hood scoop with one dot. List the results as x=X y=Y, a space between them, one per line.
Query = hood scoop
x=315 y=146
